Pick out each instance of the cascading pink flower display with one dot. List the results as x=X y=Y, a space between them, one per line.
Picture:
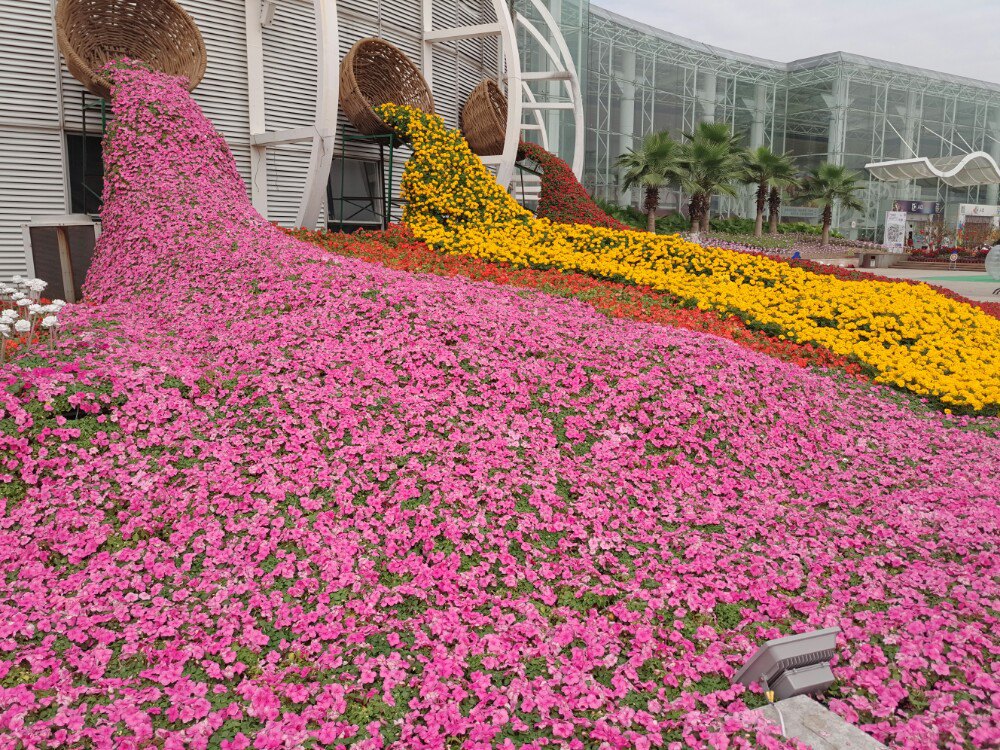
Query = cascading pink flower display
x=267 y=497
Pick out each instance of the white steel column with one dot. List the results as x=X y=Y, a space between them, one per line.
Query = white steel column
x=512 y=63
x=322 y=133
x=993 y=148
x=327 y=94
x=759 y=115
x=255 y=84
x=707 y=94
x=837 y=103
x=626 y=115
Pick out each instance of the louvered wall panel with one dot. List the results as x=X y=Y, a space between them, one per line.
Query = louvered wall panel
x=290 y=78
x=31 y=184
x=32 y=84
x=223 y=93
x=31 y=147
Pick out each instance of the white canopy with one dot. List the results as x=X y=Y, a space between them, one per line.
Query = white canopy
x=968 y=170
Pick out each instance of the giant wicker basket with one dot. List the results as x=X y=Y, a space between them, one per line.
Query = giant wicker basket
x=160 y=33
x=484 y=119
x=375 y=72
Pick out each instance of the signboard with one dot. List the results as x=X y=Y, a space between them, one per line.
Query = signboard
x=800 y=212
x=971 y=209
x=928 y=208
x=895 y=230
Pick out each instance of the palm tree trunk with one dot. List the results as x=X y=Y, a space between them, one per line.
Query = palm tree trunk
x=827 y=222
x=651 y=203
x=693 y=213
x=758 y=228
x=774 y=205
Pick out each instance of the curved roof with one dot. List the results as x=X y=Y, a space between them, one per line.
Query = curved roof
x=969 y=170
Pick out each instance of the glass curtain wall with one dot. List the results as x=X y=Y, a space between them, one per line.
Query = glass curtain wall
x=642 y=81
x=840 y=108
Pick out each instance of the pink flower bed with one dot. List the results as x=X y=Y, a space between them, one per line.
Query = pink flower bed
x=267 y=497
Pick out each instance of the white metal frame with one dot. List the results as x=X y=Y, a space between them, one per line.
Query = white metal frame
x=562 y=68
x=322 y=133
x=521 y=99
x=509 y=69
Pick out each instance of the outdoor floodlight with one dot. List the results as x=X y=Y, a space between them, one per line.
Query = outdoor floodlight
x=794 y=665
x=267 y=13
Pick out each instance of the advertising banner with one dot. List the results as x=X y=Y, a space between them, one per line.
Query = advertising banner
x=895 y=230
x=929 y=208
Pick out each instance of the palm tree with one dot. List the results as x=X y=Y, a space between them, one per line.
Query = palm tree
x=769 y=172
x=830 y=184
x=773 y=209
x=652 y=167
x=712 y=162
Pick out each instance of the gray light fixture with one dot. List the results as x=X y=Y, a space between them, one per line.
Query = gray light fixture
x=794 y=665
x=267 y=13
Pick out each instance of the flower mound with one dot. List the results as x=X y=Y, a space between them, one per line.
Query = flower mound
x=396 y=248
x=563 y=198
x=909 y=336
x=262 y=496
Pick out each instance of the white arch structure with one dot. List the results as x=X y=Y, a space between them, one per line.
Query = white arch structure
x=322 y=133
x=967 y=170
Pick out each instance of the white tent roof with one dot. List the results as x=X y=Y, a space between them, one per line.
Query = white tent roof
x=968 y=170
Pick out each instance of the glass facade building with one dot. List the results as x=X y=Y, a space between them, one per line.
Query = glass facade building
x=839 y=107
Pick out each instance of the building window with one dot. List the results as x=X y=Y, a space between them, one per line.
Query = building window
x=354 y=194
x=86 y=173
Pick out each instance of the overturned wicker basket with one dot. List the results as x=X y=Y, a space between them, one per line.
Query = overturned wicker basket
x=375 y=72
x=160 y=33
x=484 y=119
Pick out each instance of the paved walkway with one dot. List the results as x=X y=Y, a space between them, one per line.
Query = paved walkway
x=975 y=286
x=817 y=727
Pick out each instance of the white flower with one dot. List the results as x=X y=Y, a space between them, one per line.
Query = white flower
x=37 y=285
x=22 y=326
x=18 y=278
x=4 y=330
x=23 y=302
x=35 y=309
x=58 y=304
x=50 y=321
x=18 y=295
x=9 y=316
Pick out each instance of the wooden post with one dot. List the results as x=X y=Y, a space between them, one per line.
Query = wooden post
x=66 y=265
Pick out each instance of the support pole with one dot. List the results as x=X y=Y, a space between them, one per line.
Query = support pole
x=66 y=265
x=327 y=93
x=256 y=108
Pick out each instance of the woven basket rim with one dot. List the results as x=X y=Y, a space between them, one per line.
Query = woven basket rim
x=480 y=119
x=354 y=96
x=98 y=83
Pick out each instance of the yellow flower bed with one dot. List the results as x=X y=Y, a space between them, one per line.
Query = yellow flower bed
x=909 y=335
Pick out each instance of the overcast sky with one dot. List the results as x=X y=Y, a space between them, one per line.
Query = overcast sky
x=960 y=37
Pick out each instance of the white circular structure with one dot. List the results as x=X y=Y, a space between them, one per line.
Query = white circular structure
x=339 y=23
